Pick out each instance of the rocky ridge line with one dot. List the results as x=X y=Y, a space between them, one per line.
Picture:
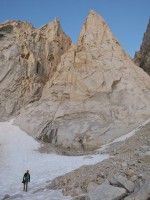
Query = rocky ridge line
x=28 y=60
x=95 y=95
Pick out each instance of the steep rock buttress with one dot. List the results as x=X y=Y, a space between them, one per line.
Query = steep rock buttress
x=95 y=94
x=28 y=58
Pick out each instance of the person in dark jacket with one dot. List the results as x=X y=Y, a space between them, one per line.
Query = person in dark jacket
x=26 y=180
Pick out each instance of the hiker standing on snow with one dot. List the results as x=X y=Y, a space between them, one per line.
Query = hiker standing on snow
x=26 y=180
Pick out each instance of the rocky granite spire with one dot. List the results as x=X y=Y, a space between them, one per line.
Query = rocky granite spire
x=142 y=57
x=96 y=94
x=90 y=93
x=95 y=33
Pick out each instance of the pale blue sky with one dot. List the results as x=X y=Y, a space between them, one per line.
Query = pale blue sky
x=127 y=19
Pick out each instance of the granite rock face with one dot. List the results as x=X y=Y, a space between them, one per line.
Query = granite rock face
x=142 y=57
x=90 y=93
x=28 y=59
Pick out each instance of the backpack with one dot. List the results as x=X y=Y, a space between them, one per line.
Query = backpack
x=26 y=178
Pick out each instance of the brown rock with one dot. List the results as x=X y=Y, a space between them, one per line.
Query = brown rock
x=120 y=181
x=130 y=172
x=91 y=186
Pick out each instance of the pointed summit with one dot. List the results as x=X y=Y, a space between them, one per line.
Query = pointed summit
x=96 y=33
x=95 y=94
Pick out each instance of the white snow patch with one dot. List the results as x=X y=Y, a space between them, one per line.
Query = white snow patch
x=18 y=153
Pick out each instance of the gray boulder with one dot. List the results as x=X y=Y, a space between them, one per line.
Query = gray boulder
x=7 y=196
x=16 y=196
x=142 y=194
x=106 y=192
x=145 y=157
x=120 y=181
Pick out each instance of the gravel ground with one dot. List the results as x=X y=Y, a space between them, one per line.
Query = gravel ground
x=125 y=160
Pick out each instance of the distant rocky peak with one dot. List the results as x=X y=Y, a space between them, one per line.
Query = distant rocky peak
x=142 y=57
x=145 y=47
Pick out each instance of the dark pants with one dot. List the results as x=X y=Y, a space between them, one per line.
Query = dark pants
x=25 y=186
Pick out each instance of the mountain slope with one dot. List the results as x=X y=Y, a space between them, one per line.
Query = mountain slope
x=95 y=95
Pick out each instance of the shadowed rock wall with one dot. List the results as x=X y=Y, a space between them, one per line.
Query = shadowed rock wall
x=142 y=57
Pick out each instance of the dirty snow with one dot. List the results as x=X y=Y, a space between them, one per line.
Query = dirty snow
x=18 y=152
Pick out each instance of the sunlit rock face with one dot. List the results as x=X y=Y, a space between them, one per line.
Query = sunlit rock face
x=28 y=58
x=142 y=57
x=94 y=94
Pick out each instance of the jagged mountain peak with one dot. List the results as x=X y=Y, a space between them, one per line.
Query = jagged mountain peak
x=51 y=25
x=96 y=93
x=95 y=32
x=75 y=96
x=29 y=57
